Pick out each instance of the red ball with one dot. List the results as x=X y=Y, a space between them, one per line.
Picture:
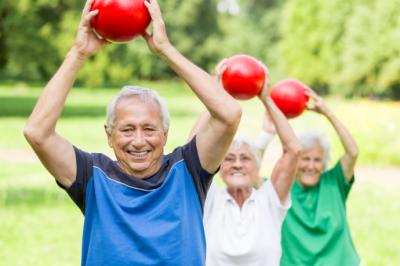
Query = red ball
x=120 y=20
x=243 y=77
x=289 y=95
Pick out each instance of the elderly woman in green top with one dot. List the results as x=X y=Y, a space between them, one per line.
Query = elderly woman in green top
x=315 y=231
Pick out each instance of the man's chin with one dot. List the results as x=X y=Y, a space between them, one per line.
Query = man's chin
x=138 y=168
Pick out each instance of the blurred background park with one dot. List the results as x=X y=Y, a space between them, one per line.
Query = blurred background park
x=347 y=50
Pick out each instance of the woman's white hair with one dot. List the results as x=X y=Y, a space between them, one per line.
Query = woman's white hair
x=312 y=139
x=141 y=93
x=240 y=141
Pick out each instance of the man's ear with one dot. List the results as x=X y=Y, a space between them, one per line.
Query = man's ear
x=165 y=137
x=109 y=139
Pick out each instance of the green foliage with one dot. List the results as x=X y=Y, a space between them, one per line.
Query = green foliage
x=190 y=24
x=347 y=47
x=5 y=10
x=254 y=31
x=36 y=35
x=311 y=33
x=256 y=9
x=371 y=57
x=351 y=46
x=29 y=31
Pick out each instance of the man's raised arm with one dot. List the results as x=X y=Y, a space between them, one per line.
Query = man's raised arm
x=215 y=135
x=55 y=152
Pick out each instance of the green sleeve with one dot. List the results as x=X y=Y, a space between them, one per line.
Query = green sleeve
x=337 y=177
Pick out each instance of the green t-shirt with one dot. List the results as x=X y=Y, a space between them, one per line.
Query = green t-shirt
x=315 y=231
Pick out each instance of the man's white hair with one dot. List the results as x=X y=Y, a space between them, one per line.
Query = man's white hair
x=142 y=93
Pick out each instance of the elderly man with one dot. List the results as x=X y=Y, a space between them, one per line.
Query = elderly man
x=146 y=207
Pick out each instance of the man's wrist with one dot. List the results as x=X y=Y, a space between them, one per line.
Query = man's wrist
x=76 y=54
x=167 y=51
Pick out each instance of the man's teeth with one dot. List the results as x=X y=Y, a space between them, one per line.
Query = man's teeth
x=138 y=154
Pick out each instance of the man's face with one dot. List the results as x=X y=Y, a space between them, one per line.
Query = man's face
x=311 y=166
x=239 y=169
x=138 y=137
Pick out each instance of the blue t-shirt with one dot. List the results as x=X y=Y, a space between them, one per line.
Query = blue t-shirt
x=132 y=221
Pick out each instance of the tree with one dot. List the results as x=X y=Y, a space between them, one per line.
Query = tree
x=349 y=46
x=35 y=36
x=253 y=31
x=311 y=39
x=371 y=61
x=30 y=29
x=6 y=9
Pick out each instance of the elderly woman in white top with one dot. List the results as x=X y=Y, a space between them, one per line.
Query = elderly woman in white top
x=242 y=224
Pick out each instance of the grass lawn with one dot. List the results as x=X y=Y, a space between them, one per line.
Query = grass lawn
x=41 y=226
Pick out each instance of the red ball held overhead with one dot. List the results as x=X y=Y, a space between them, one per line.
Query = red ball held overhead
x=289 y=95
x=243 y=77
x=120 y=20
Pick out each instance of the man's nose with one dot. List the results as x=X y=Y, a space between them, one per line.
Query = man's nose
x=138 y=138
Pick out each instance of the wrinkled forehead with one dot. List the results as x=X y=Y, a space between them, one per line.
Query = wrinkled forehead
x=138 y=99
x=136 y=106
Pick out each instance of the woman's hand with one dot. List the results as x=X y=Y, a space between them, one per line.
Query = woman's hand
x=219 y=69
x=266 y=89
x=316 y=102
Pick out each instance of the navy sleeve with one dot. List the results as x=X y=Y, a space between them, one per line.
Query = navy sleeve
x=84 y=170
x=202 y=179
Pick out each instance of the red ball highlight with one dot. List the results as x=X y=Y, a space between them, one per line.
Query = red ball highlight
x=290 y=97
x=120 y=20
x=243 y=77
